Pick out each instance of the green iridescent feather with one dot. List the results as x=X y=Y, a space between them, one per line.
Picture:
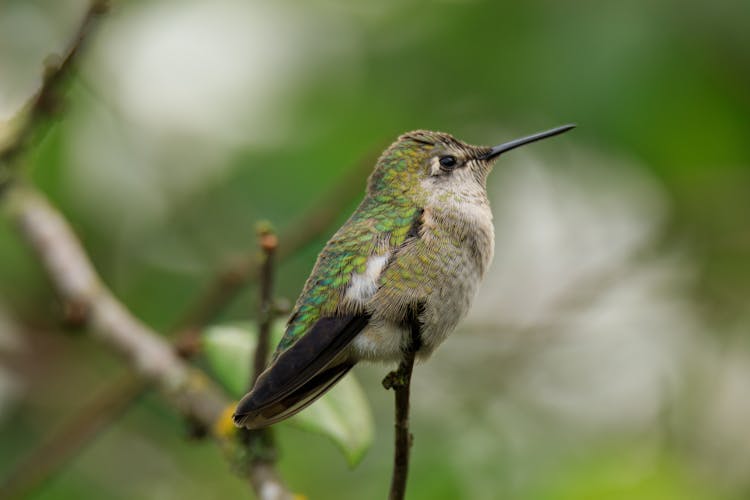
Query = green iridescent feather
x=381 y=223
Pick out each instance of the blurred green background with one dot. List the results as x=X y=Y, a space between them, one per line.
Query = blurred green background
x=607 y=355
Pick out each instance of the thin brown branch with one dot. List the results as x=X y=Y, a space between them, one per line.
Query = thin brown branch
x=403 y=439
x=187 y=389
x=45 y=102
x=259 y=443
x=268 y=244
x=400 y=381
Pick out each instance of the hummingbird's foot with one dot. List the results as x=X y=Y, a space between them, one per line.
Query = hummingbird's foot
x=396 y=379
x=400 y=378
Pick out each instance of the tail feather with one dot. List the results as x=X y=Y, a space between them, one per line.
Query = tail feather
x=256 y=417
x=301 y=373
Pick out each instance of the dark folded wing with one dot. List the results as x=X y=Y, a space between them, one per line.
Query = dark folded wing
x=301 y=373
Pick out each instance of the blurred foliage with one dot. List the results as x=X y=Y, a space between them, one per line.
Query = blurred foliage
x=191 y=120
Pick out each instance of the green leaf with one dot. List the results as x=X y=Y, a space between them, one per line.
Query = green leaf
x=229 y=350
x=342 y=414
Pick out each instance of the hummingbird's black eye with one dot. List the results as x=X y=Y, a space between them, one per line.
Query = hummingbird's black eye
x=448 y=163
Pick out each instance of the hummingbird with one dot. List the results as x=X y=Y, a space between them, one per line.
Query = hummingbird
x=410 y=258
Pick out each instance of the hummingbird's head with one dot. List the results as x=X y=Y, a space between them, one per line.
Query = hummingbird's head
x=425 y=161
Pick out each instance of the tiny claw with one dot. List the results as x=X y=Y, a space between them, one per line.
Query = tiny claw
x=394 y=380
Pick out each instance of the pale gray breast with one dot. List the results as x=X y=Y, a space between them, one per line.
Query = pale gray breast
x=471 y=246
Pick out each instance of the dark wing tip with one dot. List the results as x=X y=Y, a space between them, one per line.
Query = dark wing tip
x=253 y=415
x=239 y=417
x=248 y=411
x=246 y=420
x=250 y=407
x=239 y=420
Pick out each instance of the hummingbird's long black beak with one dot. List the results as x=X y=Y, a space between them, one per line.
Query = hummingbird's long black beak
x=502 y=148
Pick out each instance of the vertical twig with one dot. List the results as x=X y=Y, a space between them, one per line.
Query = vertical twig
x=403 y=438
x=259 y=443
x=400 y=381
x=268 y=244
